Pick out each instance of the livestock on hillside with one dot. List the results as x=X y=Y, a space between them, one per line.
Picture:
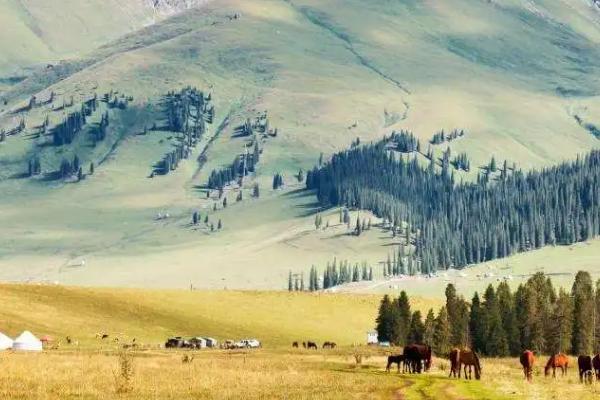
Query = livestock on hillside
x=586 y=374
x=417 y=357
x=465 y=358
x=395 y=359
x=527 y=360
x=555 y=361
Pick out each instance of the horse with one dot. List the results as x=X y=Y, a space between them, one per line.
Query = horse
x=312 y=345
x=559 y=360
x=304 y=344
x=397 y=359
x=585 y=369
x=329 y=345
x=295 y=345
x=415 y=355
x=465 y=358
x=527 y=359
x=596 y=365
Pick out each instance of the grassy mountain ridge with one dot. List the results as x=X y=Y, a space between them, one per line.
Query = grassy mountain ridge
x=512 y=74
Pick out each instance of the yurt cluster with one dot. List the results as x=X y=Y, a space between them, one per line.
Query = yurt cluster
x=26 y=341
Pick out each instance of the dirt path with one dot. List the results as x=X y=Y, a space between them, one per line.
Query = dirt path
x=398 y=394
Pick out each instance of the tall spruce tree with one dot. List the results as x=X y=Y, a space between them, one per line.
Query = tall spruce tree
x=441 y=341
x=495 y=343
x=385 y=320
x=477 y=325
x=416 y=329
x=583 y=310
x=429 y=328
x=506 y=303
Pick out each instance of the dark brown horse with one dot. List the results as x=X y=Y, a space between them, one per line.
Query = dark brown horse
x=311 y=345
x=555 y=361
x=329 y=345
x=397 y=359
x=417 y=357
x=527 y=359
x=596 y=365
x=464 y=358
x=295 y=345
x=585 y=369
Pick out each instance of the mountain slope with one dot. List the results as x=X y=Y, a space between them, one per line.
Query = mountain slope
x=520 y=77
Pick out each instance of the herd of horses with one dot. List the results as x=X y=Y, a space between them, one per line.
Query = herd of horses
x=417 y=358
x=313 y=346
x=588 y=366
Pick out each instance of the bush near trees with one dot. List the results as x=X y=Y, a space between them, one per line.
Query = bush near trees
x=502 y=322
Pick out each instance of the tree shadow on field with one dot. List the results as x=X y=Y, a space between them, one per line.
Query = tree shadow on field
x=299 y=193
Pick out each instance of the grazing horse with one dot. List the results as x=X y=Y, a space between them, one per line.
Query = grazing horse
x=397 y=359
x=415 y=355
x=465 y=358
x=596 y=365
x=304 y=344
x=527 y=359
x=585 y=369
x=312 y=345
x=329 y=345
x=559 y=360
x=295 y=345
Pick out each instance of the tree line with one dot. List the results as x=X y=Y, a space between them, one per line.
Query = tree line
x=455 y=225
x=502 y=322
x=333 y=275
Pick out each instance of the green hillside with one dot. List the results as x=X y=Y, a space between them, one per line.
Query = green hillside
x=521 y=79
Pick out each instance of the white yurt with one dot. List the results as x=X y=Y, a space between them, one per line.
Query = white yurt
x=27 y=342
x=5 y=342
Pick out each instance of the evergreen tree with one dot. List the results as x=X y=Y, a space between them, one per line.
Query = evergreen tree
x=429 y=328
x=560 y=335
x=583 y=310
x=219 y=225
x=506 y=304
x=290 y=282
x=416 y=329
x=385 y=320
x=477 y=325
x=195 y=217
x=402 y=324
x=495 y=344
x=91 y=168
x=441 y=342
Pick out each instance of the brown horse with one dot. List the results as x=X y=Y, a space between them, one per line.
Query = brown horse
x=466 y=358
x=397 y=359
x=329 y=345
x=295 y=345
x=527 y=359
x=559 y=360
x=585 y=369
x=417 y=356
x=596 y=365
x=311 y=345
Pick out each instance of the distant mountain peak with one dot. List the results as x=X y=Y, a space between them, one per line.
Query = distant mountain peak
x=168 y=7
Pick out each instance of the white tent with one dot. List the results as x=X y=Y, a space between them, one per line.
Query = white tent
x=26 y=341
x=5 y=342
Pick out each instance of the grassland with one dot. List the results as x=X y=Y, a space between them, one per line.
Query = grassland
x=512 y=76
x=92 y=370
x=264 y=374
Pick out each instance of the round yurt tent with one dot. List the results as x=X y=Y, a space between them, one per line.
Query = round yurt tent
x=5 y=342
x=27 y=342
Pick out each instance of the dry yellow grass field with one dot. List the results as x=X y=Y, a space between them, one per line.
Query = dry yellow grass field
x=263 y=374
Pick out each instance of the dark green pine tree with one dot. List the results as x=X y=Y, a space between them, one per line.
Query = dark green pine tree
x=402 y=323
x=495 y=343
x=477 y=325
x=385 y=320
x=441 y=337
x=583 y=310
x=416 y=329
x=290 y=282
x=429 y=328
x=91 y=168
x=506 y=303
x=561 y=328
